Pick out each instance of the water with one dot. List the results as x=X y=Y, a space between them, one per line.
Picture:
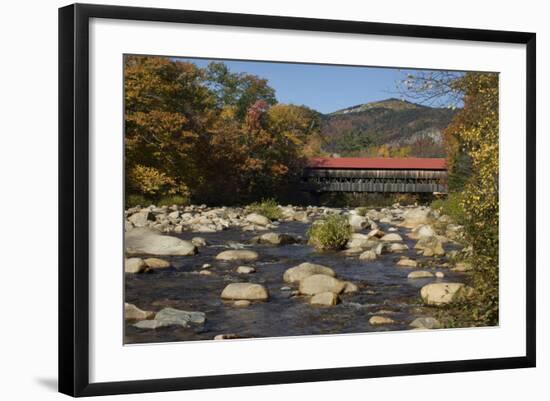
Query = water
x=383 y=286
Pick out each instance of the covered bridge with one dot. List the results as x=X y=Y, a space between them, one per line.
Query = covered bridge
x=353 y=174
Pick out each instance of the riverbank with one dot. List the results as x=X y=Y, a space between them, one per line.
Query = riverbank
x=233 y=268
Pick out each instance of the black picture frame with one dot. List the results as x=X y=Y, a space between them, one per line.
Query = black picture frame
x=74 y=198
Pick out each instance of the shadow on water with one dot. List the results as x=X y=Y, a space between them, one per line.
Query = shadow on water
x=382 y=287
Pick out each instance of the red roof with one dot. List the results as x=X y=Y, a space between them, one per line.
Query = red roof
x=379 y=163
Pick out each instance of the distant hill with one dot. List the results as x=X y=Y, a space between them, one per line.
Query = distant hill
x=391 y=124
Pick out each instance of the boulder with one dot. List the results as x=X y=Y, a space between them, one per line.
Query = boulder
x=350 y=287
x=142 y=218
x=324 y=299
x=430 y=246
x=241 y=303
x=274 y=239
x=462 y=267
x=306 y=269
x=134 y=265
x=416 y=216
x=425 y=323
x=173 y=316
x=245 y=269
x=397 y=247
x=377 y=233
x=361 y=241
x=257 y=219
x=358 y=223
x=319 y=283
x=352 y=251
x=421 y=231
x=133 y=313
x=248 y=291
x=391 y=237
x=442 y=293
x=368 y=255
x=198 y=241
x=406 y=262
x=205 y=272
x=380 y=320
x=439 y=274
x=156 y=263
x=420 y=274
x=237 y=255
x=151 y=242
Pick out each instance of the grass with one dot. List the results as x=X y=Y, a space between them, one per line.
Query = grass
x=172 y=200
x=267 y=207
x=330 y=233
x=137 y=200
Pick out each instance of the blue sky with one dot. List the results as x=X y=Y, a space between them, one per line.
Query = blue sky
x=325 y=88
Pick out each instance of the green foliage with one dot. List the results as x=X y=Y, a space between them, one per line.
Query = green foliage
x=267 y=208
x=330 y=233
x=370 y=200
x=451 y=206
x=133 y=200
x=172 y=200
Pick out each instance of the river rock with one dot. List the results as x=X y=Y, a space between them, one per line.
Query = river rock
x=416 y=216
x=352 y=251
x=361 y=241
x=368 y=255
x=350 y=288
x=257 y=219
x=430 y=246
x=241 y=303
x=324 y=299
x=421 y=231
x=205 y=272
x=442 y=293
x=376 y=233
x=462 y=267
x=420 y=274
x=306 y=269
x=142 y=218
x=248 y=291
x=358 y=223
x=151 y=242
x=274 y=239
x=133 y=313
x=198 y=241
x=179 y=317
x=319 y=283
x=380 y=320
x=245 y=269
x=134 y=265
x=397 y=247
x=406 y=262
x=425 y=323
x=391 y=237
x=237 y=255
x=439 y=274
x=156 y=263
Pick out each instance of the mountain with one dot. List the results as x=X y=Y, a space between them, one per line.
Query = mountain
x=390 y=125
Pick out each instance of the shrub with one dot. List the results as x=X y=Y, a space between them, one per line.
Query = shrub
x=137 y=200
x=330 y=233
x=451 y=206
x=267 y=207
x=171 y=200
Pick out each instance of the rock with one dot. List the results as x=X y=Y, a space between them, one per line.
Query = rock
x=179 y=317
x=198 y=241
x=380 y=320
x=205 y=272
x=352 y=251
x=392 y=237
x=306 y=269
x=376 y=233
x=422 y=231
x=361 y=241
x=350 y=287
x=430 y=246
x=133 y=313
x=462 y=267
x=151 y=242
x=241 y=303
x=228 y=336
x=206 y=266
x=128 y=226
x=426 y=323
x=406 y=262
x=174 y=215
x=237 y=255
x=368 y=255
x=245 y=270
x=257 y=219
x=134 y=265
x=319 y=283
x=420 y=274
x=324 y=299
x=439 y=274
x=274 y=239
x=357 y=222
x=156 y=263
x=416 y=216
x=248 y=291
x=442 y=293
x=150 y=324
x=397 y=247
x=141 y=219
